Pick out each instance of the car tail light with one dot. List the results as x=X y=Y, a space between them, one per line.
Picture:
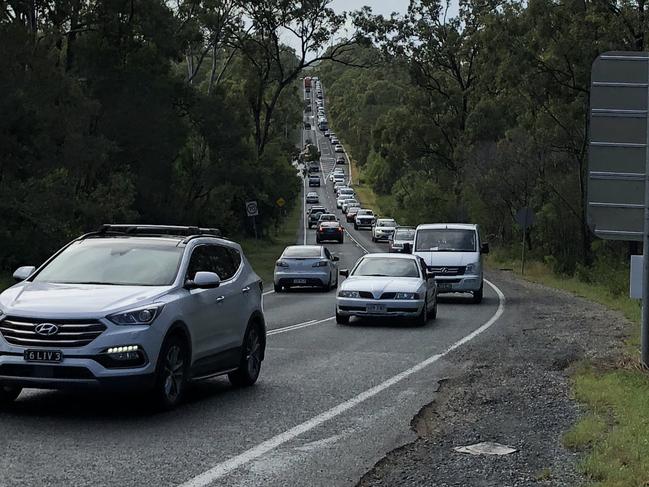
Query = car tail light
x=322 y=263
x=281 y=263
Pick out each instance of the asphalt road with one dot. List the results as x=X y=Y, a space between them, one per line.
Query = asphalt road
x=330 y=402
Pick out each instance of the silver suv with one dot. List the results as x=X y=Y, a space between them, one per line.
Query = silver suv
x=144 y=307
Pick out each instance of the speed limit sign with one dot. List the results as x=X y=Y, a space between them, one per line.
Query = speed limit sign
x=251 y=208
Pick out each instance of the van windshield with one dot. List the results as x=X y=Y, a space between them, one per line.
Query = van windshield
x=445 y=240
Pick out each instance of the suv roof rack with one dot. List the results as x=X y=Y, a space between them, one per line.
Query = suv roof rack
x=154 y=230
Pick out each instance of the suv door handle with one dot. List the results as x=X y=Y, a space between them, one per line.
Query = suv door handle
x=245 y=289
x=220 y=299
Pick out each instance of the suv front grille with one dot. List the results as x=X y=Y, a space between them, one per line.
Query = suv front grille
x=71 y=333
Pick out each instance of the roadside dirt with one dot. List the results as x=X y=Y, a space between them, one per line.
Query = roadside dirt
x=510 y=386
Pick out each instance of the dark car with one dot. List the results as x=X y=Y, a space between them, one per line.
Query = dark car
x=314 y=167
x=329 y=231
x=314 y=215
x=351 y=214
x=314 y=181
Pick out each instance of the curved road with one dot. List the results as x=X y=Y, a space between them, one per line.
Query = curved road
x=331 y=401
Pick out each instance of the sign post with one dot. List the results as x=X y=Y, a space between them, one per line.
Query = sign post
x=252 y=211
x=525 y=218
x=618 y=162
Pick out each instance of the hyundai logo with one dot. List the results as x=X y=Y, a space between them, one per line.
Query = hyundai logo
x=443 y=270
x=46 y=329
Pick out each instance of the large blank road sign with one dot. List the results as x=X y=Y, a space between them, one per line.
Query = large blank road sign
x=618 y=145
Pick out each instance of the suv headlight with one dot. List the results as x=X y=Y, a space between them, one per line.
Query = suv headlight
x=406 y=296
x=349 y=294
x=139 y=316
x=471 y=268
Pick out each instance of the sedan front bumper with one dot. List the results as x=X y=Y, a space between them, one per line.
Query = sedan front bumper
x=407 y=308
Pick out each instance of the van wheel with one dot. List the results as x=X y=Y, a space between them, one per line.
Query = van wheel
x=251 y=357
x=9 y=394
x=171 y=375
x=277 y=288
x=477 y=295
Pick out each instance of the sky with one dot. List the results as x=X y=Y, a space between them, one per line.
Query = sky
x=379 y=7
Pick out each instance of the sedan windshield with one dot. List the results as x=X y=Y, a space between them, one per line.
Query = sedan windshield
x=386 y=267
x=446 y=240
x=116 y=262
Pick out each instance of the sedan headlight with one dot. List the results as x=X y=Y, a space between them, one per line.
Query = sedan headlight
x=406 y=296
x=471 y=268
x=140 y=316
x=349 y=294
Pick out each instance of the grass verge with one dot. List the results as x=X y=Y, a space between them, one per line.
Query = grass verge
x=365 y=193
x=263 y=253
x=613 y=434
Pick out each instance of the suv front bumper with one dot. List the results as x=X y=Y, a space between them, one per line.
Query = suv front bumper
x=87 y=366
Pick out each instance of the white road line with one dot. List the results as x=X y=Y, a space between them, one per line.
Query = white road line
x=268 y=292
x=298 y=326
x=357 y=242
x=224 y=468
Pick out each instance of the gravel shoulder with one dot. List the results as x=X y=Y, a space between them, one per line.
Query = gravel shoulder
x=510 y=386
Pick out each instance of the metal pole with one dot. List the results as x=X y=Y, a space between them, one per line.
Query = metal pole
x=523 y=251
x=644 y=332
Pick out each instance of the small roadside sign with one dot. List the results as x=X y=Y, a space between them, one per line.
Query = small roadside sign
x=251 y=208
x=525 y=217
x=280 y=201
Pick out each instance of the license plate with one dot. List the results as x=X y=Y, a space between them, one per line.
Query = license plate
x=444 y=286
x=50 y=356
x=299 y=281
x=375 y=308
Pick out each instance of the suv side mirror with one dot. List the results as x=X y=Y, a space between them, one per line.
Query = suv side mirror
x=204 y=280
x=344 y=272
x=335 y=258
x=484 y=248
x=24 y=272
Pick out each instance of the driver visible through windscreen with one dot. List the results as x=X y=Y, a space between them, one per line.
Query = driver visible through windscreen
x=446 y=240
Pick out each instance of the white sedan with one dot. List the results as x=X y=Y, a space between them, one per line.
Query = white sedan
x=387 y=285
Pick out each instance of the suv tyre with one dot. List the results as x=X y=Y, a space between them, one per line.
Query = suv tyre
x=251 y=356
x=9 y=394
x=171 y=374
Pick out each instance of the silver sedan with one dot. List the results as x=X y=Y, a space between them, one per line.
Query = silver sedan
x=387 y=285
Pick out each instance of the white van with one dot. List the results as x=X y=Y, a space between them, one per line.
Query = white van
x=453 y=252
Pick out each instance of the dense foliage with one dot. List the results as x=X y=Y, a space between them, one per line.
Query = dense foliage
x=473 y=117
x=149 y=111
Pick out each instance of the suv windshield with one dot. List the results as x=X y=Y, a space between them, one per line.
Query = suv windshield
x=116 y=262
x=386 y=223
x=446 y=240
x=386 y=267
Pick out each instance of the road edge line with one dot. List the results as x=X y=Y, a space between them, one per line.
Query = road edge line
x=227 y=466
